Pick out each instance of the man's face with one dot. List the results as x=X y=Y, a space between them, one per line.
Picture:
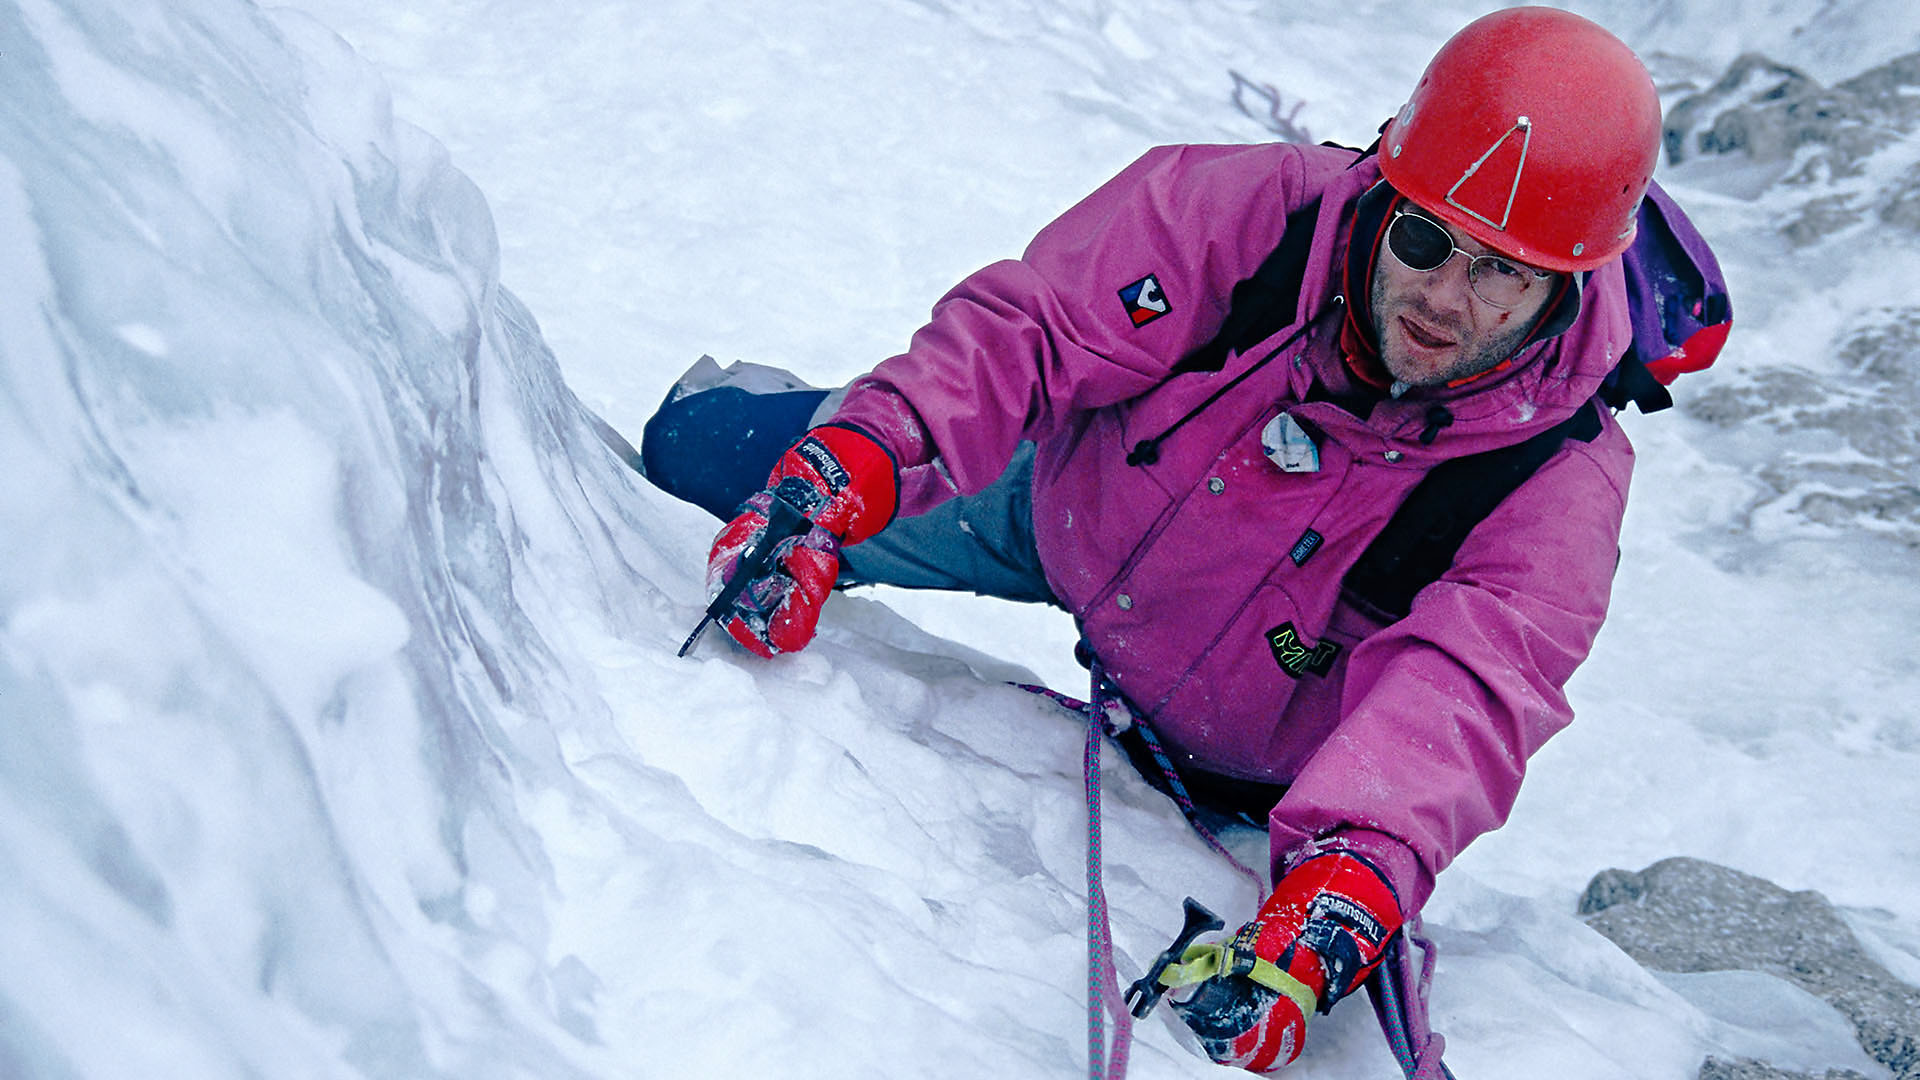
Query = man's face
x=1433 y=328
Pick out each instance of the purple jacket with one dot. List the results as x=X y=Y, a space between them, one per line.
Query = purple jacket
x=1181 y=572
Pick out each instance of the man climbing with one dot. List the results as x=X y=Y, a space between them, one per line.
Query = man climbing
x=1094 y=426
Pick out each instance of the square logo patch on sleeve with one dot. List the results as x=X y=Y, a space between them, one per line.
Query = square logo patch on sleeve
x=1145 y=300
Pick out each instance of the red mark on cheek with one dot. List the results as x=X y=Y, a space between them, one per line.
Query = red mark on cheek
x=1504 y=316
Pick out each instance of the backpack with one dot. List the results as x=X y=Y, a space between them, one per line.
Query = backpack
x=1680 y=313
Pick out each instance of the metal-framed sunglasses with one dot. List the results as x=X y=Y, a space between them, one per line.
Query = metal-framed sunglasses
x=1420 y=243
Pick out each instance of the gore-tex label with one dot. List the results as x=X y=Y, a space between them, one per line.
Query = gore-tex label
x=1304 y=547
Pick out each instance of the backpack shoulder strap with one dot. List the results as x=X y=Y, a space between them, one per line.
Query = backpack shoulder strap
x=1425 y=533
x=1678 y=303
x=1270 y=299
x=1265 y=302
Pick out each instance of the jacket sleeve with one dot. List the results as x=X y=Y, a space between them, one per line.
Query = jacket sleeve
x=1021 y=344
x=1444 y=707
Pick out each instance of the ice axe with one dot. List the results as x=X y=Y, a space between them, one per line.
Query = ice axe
x=1146 y=991
x=784 y=521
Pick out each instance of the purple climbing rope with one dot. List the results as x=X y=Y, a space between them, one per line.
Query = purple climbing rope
x=1400 y=1004
x=1103 y=983
x=1108 y=1061
x=1097 y=713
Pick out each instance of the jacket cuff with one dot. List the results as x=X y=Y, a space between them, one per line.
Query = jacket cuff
x=882 y=414
x=1403 y=871
x=874 y=487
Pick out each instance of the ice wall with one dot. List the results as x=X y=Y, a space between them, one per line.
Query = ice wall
x=292 y=492
x=341 y=731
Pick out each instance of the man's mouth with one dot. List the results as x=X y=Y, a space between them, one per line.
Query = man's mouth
x=1423 y=337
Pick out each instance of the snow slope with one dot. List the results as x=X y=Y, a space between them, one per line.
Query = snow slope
x=341 y=730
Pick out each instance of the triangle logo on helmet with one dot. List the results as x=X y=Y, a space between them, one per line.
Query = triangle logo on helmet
x=1487 y=188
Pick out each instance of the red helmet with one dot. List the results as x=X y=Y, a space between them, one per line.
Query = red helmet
x=1533 y=130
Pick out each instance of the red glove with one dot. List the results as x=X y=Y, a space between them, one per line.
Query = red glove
x=846 y=485
x=1319 y=936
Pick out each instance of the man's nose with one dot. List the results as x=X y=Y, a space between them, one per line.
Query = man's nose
x=1450 y=285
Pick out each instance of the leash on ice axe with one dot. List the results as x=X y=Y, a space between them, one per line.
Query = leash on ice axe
x=1398 y=994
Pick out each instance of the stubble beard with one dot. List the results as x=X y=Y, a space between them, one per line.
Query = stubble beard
x=1479 y=357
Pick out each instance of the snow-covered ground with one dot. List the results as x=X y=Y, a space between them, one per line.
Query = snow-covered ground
x=341 y=732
